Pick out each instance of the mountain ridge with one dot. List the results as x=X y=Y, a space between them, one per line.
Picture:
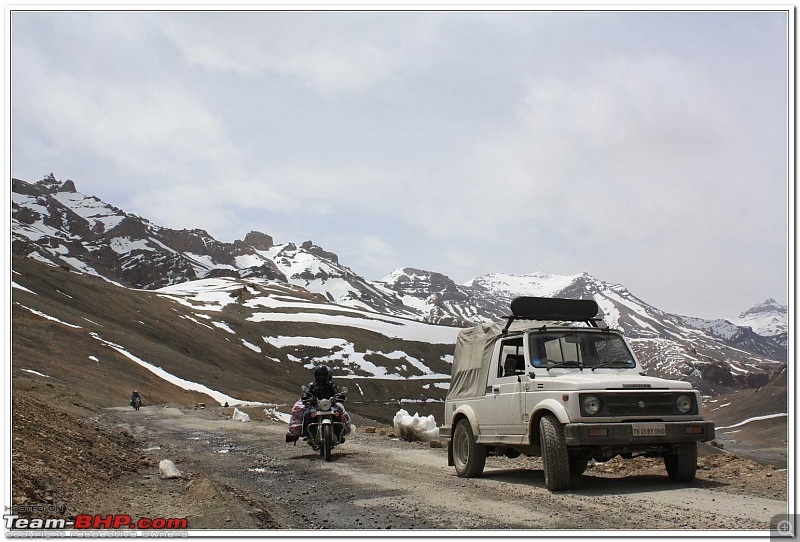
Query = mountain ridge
x=56 y=224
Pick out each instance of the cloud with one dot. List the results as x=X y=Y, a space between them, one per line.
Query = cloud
x=156 y=129
x=331 y=52
x=464 y=143
x=372 y=252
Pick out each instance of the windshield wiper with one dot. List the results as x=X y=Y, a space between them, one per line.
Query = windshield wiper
x=612 y=364
x=566 y=363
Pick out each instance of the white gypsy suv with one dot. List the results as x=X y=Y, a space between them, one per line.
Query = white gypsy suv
x=540 y=385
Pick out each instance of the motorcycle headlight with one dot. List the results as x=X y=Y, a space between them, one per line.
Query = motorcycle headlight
x=324 y=404
x=684 y=404
x=591 y=404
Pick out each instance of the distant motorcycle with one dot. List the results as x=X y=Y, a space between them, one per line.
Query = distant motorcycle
x=327 y=426
x=136 y=403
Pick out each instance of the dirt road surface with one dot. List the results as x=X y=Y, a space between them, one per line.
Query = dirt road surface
x=244 y=476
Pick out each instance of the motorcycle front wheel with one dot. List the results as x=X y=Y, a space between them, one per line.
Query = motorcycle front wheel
x=327 y=442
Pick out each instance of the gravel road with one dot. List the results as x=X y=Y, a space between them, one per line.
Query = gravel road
x=244 y=476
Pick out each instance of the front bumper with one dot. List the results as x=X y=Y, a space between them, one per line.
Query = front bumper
x=578 y=434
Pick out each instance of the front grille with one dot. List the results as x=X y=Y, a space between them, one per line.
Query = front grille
x=639 y=404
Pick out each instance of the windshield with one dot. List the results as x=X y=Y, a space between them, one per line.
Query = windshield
x=579 y=349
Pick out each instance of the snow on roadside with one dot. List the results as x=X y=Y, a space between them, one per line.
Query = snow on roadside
x=180 y=382
x=277 y=415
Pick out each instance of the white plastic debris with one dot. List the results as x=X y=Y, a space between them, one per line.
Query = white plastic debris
x=415 y=428
x=167 y=469
x=238 y=415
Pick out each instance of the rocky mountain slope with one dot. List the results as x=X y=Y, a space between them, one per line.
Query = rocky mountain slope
x=57 y=225
x=222 y=340
x=753 y=422
x=54 y=223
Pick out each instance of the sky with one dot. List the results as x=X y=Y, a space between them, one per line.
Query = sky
x=644 y=148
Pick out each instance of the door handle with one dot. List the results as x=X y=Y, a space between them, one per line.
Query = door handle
x=495 y=389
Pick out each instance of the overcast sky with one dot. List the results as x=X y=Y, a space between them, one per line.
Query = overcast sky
x=647 y=149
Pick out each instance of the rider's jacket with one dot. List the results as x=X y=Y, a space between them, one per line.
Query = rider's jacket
x=323 y=390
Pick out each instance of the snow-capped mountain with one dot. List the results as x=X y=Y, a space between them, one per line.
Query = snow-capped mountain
x=711 y=354
x=768 y=319
x=54 y=223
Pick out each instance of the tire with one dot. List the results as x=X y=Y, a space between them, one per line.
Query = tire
x=327 y=442
x=682 y=463
x=469 y=457
x=554 y=454
x=577 y=465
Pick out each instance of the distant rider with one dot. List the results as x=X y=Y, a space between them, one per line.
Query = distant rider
x=134 y=396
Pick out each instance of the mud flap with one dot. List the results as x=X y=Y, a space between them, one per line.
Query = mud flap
x=450 y=462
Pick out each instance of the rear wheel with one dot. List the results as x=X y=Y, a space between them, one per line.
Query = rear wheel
x=554 y=454
x=327 y=442
x=682 y=462
x=469 y=457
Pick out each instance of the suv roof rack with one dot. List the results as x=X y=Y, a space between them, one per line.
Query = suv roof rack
x=553 y=308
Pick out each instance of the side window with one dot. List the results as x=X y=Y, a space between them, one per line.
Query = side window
x=512 y=358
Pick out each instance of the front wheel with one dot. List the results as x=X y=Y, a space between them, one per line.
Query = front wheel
x=469 y=457
x=327 y=442
x=682 y=462
x=554 y=454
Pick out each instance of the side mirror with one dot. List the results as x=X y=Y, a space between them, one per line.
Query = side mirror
x=344 y=389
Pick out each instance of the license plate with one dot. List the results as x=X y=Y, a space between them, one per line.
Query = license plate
x=649 y=430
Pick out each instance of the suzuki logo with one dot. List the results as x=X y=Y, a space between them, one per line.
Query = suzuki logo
x=641 y=404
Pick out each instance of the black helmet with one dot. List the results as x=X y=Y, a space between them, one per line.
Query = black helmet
x=322 y=373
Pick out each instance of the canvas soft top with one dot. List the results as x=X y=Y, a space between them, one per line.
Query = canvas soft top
x=473 y=354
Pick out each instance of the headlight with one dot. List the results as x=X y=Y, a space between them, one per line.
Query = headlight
x=591 y=404
x=324 y=404
x=684 y=404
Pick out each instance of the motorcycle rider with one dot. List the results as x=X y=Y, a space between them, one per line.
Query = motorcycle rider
x=135 y=395
x=322 y=387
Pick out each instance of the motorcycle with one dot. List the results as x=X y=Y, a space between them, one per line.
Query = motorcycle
x=136 y=403
x=327 y=426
